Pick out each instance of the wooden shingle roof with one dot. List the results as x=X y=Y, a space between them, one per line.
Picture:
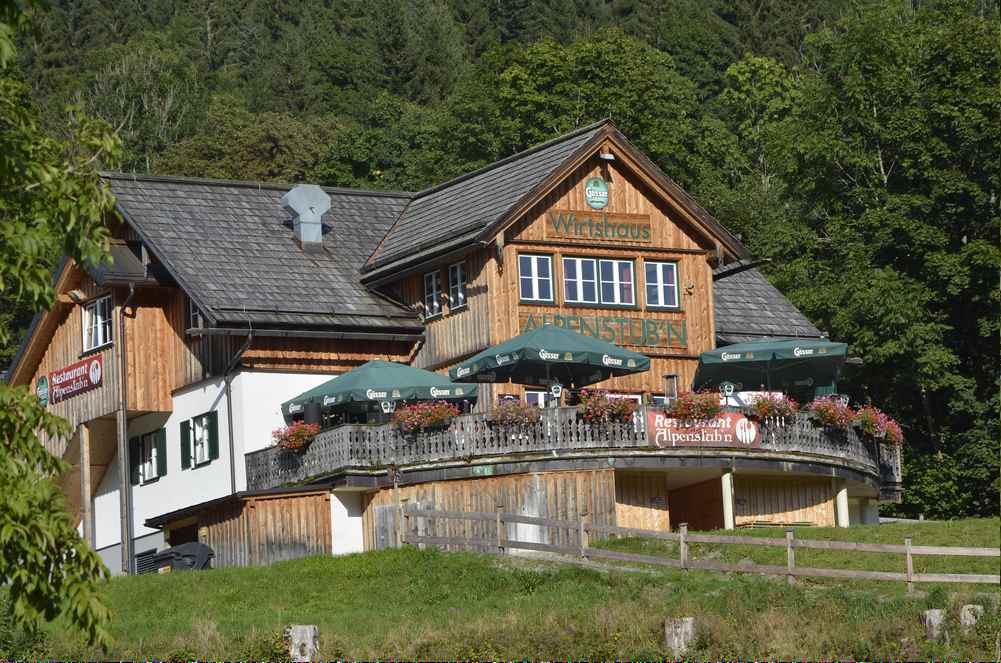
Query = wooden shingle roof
x=231 y=246
x=748 y=307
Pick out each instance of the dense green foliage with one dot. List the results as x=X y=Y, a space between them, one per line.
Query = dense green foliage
x=411 y=604
x=852 y=143
x=51 y=202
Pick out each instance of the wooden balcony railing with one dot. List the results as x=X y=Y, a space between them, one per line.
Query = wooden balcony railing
x=470 y=437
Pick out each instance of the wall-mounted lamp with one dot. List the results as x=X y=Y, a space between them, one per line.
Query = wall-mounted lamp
x=78 y=296
x=606 y=156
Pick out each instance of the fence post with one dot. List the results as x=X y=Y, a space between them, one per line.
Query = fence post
x=500 y=530
x=583 y=536
x=910 y=566
x=683 y=544
x=790 y=556
x=406 y=524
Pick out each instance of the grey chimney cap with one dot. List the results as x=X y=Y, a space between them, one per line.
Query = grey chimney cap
x=309 y=203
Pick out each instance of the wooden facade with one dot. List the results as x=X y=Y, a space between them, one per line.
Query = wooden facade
x=641 y=501
x=775 y=500
x=266 y=529
x=495 y=312
x=558 y=495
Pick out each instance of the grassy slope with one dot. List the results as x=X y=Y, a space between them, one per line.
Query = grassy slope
x=409 y=603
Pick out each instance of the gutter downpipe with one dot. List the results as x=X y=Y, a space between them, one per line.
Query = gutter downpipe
x=229 y=409
x=124 y=475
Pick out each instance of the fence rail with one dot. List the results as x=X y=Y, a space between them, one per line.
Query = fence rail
x=358 y=446
x=409 y=533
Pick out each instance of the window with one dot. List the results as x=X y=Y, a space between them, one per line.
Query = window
x=536 y=278
x=662 y=284
x=195 y=319
x=580 y=284
x=616 y=282
x=432 y=294
x=457 y=285
x=199 y=440
x=537 y=398
x=97 y=323
x=148 y=457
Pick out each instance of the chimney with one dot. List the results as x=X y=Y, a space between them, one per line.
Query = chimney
x=309 y=202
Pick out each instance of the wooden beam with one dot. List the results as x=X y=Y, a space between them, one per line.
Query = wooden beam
x=85 y=486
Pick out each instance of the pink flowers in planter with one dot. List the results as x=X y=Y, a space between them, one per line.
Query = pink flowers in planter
x=596 y=407
x=770 y=406
x=515 y=413
x=425 y=416
x=696 y=405
x=876 y=423
x=832 y=412
x=295 y=436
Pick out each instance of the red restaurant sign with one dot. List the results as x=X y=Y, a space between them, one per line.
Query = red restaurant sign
x=727 y=429
x=76 y=378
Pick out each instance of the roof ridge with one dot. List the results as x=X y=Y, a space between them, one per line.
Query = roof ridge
x=514 y=157
x=248 y=184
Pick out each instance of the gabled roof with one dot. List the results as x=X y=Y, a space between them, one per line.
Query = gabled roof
x=475 y=206
x=231 y=247
x=748 y=307
x=464 y=206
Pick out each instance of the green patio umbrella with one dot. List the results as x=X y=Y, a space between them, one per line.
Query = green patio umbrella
x=793 y=364
x=377 y=381
x=549 y=354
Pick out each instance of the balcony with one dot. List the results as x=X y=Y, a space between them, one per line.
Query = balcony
x=472 y=439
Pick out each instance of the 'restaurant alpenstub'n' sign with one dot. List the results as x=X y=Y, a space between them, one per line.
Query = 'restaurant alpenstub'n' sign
x=726 y=429
x=76 y=378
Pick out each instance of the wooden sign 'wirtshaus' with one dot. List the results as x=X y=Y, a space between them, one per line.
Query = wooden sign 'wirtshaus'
x=597 y=227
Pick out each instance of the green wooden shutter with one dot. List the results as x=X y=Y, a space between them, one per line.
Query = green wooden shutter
x=185 y=444
x=161 y=452
x=212 y=419
x=133 y=452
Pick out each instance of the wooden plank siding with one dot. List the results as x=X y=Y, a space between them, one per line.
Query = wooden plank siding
x=457 y=332
x=263 y=530
x=641 y=501
x=561 y=495
x=65 y=327
x=700 y=505
x=783 y=500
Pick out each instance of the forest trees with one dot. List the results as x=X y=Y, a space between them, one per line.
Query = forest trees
x=853 y=144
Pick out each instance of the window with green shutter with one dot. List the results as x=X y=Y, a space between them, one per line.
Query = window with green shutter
x=203 y=436
x=148 y=457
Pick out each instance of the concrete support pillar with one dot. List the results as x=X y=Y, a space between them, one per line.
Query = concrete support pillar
x=86 y=516
x=728 y=521
x=841 y=504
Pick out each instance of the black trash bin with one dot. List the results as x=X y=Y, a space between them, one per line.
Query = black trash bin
x=185 y=557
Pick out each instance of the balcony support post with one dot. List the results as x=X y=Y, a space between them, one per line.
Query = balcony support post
x=728 y=520
x=841 y=503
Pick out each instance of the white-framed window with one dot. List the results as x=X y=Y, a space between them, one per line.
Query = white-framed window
x=97 y=323
x=616 y=282
x=457 y=285
x=195 y=318
x=535 y=276
x=199 y=440
x=662 y=284
x=537 y=398
x=432 y=294
x=580 y=281
x=147 y=458
x=201 y=433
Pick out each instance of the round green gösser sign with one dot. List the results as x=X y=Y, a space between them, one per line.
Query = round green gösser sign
x=596 y=192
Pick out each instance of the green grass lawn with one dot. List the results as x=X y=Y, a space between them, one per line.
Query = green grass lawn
x=424 y=604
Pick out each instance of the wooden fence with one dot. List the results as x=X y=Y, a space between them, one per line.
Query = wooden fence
x=583 y=531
